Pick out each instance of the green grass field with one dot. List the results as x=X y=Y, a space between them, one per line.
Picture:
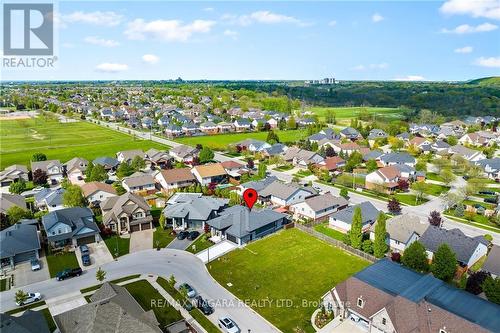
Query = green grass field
x=22 y=138
x=60 y=262
x=290 y=265
x=343 y=113
x=200 y=244
x=161 y=238
x=123 y=245
x=221 y=141
x=324 y=229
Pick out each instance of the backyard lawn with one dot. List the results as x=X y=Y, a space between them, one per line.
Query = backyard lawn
x=324 y=229
x=290 y=265
x=342 y=113
x=144 y=294
x=122 y=243
x=200 y=244
x=161 y=238
x=60 y=262
x=22 y=138
x=221 y=141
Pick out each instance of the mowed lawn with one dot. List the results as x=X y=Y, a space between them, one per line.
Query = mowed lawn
x=342 y=113
x=22 y=138
x=290 y=265
x=221 y=141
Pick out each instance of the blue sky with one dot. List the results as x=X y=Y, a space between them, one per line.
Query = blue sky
x=408 y=40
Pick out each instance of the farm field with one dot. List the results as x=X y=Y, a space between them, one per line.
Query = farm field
x=221 y=141
x=347 y=113
x=23 y=137
x=290 y=265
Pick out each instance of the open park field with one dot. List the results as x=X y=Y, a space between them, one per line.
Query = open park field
x=346 y=113
x=21 y=138
x=290 y=265
x=221 y=141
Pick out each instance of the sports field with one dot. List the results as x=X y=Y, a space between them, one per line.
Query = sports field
x=21 y=138
x=347 y=113
x=221 y=141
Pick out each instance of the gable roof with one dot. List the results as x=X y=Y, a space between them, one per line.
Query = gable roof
x=90 y=188
x=369 y=213
x=29 y=322
x=115 y=206
x=8 y=200
x=194 y=207
x=183 y=151
x=177 y=175
x=77 y=218
x=402 y=227
x=282 y=190
x=325 y=201
x=210 y=170
x=76 y=163
x=140 y=179
x=18 y=238
x=259 y=185
x=129 y=155
x=45 y=165
x=106 y=161
x=398 y=158
x=492 y=263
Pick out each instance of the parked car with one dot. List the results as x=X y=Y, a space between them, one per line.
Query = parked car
x=465 y=177
x=84 y=249
x=86 y=260
x=182 y=234
x=35 y=264
x=228 y=325
x=32 y=297
x=193 y=235
x=491 y=200
x=204 y=306
x=190 y=290
x=487 y=192
x=68 y=273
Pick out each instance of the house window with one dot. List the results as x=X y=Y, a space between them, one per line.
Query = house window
x=361 y=302
x=442 y=331
x=384 y=321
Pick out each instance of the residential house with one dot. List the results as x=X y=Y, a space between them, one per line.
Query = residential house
x=184 y=154
x=425 y=130
x=350 y=134
x=49 y=199
x=387 y=177
x=332 y=163
x=71 y=226
x=210 y=173
x=29 y=322
x=283 y=195
x=173 y=130
x=126 y=213
x=53 y=169
x=253 y=145
x=397 y=158
x=163 y=121
x=192 y=210
x=109 y=163
x=318 y=208
x=342 y=220
x=111 y=309
x=492 y=263
x=491 y=167
x=389 y=297
x=209 y=127
x=324 y=134
x=225 y=127
x=240 y=225
x=257 y=185
x=418 y=142
x=346 y=148
x=127 y=156
x=75 y=170
x=470 y=155
x=375 y=135
x=301 y=157
x=107 y=114
x=175 y=178
x=372 y=155
x=190 y=128
x=12 y=174
x=8 y=200
x=274 y=150
x=18 y=243
x=402 y=230
x=480 y=139
x=242 y=125
x=234 y=169
x=139 y=183
x=405 y=136
x=158 y=158
x=96 y=192
x=440 y=146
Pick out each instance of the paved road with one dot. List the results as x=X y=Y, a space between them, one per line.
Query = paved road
x=185 y=266
x=422 y=211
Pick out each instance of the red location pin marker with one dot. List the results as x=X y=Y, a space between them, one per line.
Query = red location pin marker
x=250 y=197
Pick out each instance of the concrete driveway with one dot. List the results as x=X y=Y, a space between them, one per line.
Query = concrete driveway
x=70 y=301
x=23 y=275
x=216 y=250
x=99 y=255
x=141 y=240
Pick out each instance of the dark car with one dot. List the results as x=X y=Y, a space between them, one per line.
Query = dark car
x=86 y=260
x=68 y=273
x=183 y=234
x=465 y=177
x=491 y=200
x=204 y=306
x=193 y=235
x=84 y=249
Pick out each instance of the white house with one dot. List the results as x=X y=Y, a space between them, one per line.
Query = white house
x=175 y=178
x=319 y=207
x=402 y=230
x=53 y=169
x=280 y=194
x=97 y=191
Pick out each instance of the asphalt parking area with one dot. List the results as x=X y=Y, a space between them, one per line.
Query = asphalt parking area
x=23 y=275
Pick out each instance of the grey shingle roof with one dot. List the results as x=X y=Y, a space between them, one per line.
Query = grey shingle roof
x=8 y=200
x=194 y=208
x=29 y=322
x=398 y=158
x=492 y=263
x=259 y=185
x=368 y=213
x=325 y=201
x=401 y=227
x=77 y=218
x=282 y=190
x=106 y=161
x=18 y=238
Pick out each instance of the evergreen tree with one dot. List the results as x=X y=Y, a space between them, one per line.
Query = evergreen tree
x=444 y=263
x=88 y=172
x=356 y=234
x=415 y=257
x=262 y=170
x=380 y=245
x=124 y=170
x=491 y=288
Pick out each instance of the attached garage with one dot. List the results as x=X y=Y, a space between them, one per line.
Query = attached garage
x=26 y=256
x=85 y=240
x=146 y=226
x=231 y=238
x=134 y=227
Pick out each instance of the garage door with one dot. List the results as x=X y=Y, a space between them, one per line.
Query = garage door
x=146 y=226
x=231 y=238
x=85 y=240
x=26 y=256
x=134 y=228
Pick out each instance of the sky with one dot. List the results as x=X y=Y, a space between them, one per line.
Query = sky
x=289 y=40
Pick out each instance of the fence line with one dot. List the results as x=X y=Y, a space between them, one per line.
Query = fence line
x=336 y=242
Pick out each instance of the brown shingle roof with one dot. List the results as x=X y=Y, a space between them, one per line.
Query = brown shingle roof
x=92 y=187
x=210 y=170
x=177 y=175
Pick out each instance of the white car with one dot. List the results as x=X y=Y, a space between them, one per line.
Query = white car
x=228 y=325
x=35 y=264
x=32 y=297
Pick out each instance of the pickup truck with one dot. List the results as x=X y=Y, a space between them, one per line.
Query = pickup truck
x=68 y=273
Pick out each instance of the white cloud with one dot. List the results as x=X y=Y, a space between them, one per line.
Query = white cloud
x=101 y=41
x=208 y=9
x=231 y=33
x=264 y=17
x=493 y=62
x=332 y=23
x=469 y=29
x=150 y=59
x=108 y=67
x=465 y=49
x=108 y=19
x=377 y=18
x=475 y=8
x=167 y=30
x=382 y=65
x=410 y=78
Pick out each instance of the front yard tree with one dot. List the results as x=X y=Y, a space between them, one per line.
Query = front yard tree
x=344 y=193
x=21 y=296
x=37 y=157
x=17 y=187
x=459 y=210
x=415 y=257
x=435 y=219
x=161 y=221
x=272 y=138
x=250 y=163
x=262 y=170
x=380 y=245
x=447 y=176
x=171 y=280
x=394 y=206
x=329 y=151
x=124 y=170
x=98 y=174
x=100 y=275
x=73 y=197
x=39 y=177
x=206 y=155
x=403 y=185
x=419 y=188
x=491 y=288
x=444 y=263
x=356 y=234
x=138 y=163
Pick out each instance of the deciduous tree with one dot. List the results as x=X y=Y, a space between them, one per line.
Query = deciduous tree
x=415 y=257
x=444 y=263
x=394 y=206
x=73 y=197
x=435 y=219
x=39 y=177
